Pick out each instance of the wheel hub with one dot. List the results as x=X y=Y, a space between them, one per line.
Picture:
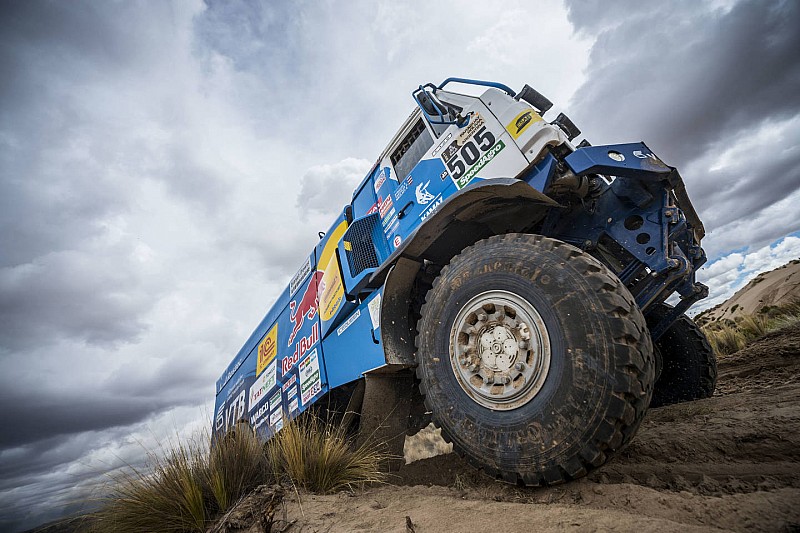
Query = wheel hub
x=500 y=350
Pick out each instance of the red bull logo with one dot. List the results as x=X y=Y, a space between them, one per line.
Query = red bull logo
x=307 y=308
x=300 y=349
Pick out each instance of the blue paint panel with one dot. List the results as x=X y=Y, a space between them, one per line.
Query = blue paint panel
x=349 y=354
x=631 y=160
x=539 y=176
x=426 y=188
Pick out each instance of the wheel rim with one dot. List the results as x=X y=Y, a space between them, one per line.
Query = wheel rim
x=500 y=350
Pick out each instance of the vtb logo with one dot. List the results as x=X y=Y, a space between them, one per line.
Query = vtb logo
x=307 y=308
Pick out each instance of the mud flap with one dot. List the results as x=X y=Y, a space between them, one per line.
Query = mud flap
x=385 y=411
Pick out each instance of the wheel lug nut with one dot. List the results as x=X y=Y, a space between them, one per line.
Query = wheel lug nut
x=520 y=366
x=482 y=317
x=523 y=345
x=486 y=380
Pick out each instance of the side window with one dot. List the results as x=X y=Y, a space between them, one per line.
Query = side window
x=410 y=150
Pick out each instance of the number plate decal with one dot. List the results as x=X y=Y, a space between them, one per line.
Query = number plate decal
x=473 y=149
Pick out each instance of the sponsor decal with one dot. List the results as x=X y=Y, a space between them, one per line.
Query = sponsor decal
x=307 y=308
x=484 y=160
x=300 y=349
x=229 y=374
x=403 y=187
x=397 y=240
x=275 y=401
x=521 y=122
x=298 y=278
x=444 y=141
x=374 y=208
x=219 y=421
x=293 y=405
x=263 y=384
x=388 y=221
x=289 y=382
x=650 y=155
x=291 y=392
x=267 y=350
x=235 y=410
x=374 y=307
x=386 y=205
x=444 y=175
x=423 y=196
x=380 y=179
x=349 y=321
x=331 y=291
x=431 y=208
x=258 y=418
x=234 y=390
x=476 y=123
x=310 y=383
x=275 y=417
x=278 y=425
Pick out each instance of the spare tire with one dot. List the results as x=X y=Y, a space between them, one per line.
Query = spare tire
x=533 y=359
x=687 y=361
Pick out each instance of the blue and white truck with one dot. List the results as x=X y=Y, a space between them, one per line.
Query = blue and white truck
x=494 y=278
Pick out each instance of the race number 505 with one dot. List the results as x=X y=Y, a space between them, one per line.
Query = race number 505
x=470 y=152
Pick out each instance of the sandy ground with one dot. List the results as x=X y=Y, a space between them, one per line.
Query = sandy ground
x=730 y=463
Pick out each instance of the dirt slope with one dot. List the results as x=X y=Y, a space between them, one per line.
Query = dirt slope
x=776 y=287
x=727 y=463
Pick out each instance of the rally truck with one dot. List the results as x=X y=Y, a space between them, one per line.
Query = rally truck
x=522 y=292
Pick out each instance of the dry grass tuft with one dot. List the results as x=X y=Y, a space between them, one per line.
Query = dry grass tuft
x=727 y=337
x=171 y=498
x=237 y=464
x=320 y=457
x=189 y=485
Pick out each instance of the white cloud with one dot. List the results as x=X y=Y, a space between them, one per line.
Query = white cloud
x=326 y=189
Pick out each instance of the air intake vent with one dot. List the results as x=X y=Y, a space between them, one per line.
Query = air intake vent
x=359 y=244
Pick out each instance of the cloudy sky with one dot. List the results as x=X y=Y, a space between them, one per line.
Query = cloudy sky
x=164 y=168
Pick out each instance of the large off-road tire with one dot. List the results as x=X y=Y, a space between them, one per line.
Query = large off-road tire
x=688 y=364
x=534 y=359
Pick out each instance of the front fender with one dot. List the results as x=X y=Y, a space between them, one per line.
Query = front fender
x=496 y=206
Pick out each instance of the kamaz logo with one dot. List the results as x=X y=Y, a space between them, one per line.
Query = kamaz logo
x=423 y=196
x=430 y=209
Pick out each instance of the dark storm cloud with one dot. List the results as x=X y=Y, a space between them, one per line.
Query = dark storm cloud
x=691 y=81
x=76 y=146
x=35 y=416
x=58 y=296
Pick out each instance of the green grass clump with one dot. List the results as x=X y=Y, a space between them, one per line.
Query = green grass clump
x=188 y=486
